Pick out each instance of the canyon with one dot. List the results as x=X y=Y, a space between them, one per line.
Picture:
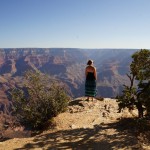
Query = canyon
x=68 y=66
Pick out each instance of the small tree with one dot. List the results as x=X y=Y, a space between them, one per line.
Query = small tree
x=41 y=99
x=140 y=72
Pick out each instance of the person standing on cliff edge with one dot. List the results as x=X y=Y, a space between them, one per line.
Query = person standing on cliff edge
x=90 y=81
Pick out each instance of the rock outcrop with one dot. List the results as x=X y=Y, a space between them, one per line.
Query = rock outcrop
x=85 y=125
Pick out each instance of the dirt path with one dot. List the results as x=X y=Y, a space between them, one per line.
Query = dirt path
x=85 y=126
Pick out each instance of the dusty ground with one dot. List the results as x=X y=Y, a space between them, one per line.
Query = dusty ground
x=87 y=125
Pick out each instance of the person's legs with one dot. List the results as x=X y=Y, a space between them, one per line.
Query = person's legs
x=87 y=99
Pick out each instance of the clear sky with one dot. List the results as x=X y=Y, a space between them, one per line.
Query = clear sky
x=75 y=23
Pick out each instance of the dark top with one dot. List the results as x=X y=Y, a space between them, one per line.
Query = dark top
x=90 y=76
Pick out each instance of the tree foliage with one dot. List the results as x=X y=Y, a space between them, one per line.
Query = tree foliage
x=138 y=96
x=41 y=99
x=140 y=66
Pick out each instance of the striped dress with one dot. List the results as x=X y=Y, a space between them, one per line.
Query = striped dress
x=90 y=85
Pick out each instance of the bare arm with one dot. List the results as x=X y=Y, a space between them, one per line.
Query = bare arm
x=85 y=71
x=95 y=73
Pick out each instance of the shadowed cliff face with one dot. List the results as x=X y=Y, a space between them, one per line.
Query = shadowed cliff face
x=67 y=65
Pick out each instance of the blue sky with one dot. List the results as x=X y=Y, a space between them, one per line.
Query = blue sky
x=75 y=23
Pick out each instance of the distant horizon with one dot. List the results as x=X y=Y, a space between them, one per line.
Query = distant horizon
x=66 y=48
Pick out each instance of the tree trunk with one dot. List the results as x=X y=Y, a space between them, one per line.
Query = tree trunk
x=140 y=109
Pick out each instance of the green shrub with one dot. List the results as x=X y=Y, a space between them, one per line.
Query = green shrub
x=41 y=99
